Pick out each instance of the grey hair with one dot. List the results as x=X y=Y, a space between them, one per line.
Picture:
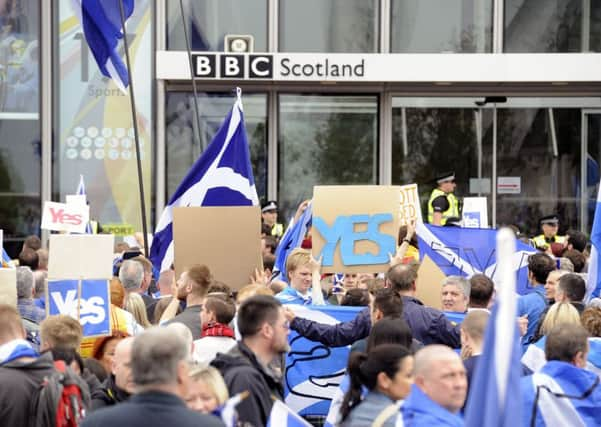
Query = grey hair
x=131 y=274
x=40 y=277
x=24 y=282
x=461 y=282
x=156 y=354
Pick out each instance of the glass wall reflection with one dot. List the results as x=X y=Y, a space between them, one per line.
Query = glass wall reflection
x=183 y=148
x=338 y=26
x=433 y=26
x=325 y=140
x=210 y=20
x=540 y=26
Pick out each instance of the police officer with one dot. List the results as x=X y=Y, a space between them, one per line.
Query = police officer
x=549 y=225
x=443 y=204
x=269 y=215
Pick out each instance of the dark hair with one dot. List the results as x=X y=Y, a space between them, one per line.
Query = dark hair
x=540 y=264
x=355 y=297
x=388 y=302
x=271 y=243
x=29 y=258
x=402 y=276
x=266 y=229
x=577 y=258
x=223 y=307
x=364 y=368
x=201 y=279
x=217 y=286
x=268 y=261
x=254 y=312
x=564 y=341
x=389 y=331
x=482 y=288
x=403 y=234
x=577 y=239
x=573 y=286
x=67 y=355
x=32 y=242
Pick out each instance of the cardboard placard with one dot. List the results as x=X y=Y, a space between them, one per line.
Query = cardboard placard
x=355 y=228
x=8 y=286
x=87 y=301
x=475 y=212
x=429 y=283
x=225 y=239
x=76 y=199
x=71 y=217
x=81 y=256
x=410 y=206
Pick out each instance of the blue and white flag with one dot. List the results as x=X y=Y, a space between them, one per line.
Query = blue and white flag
x=6 y=261
x=16 y=349
x=81 y=191
x=314 y=371
x=227 y=411
x=593 y=283
x=222 y=176
x=494 y=398
x=101 y=24
x=283 y=416
x=292 y=239
x=468 y=251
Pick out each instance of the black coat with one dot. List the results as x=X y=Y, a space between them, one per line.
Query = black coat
x=108 y=394
x=150 y=409
x=243 y=372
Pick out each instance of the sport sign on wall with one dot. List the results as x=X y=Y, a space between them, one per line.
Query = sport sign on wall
x=355 y=227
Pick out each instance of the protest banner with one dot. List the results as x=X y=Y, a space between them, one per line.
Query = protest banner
x=313 y=370
x=410 y=209
x=8 y=286
x=467 y=251
x=71 y=217
x=355 y=228
x=225 y=239
x=87 y=301
x=475 y=212
x=429 y=283
x=81 y=256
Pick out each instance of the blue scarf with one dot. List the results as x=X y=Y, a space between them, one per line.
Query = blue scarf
x=16 y=349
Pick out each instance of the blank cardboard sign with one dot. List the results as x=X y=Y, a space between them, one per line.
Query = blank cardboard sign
x=225 y=239
x=8 y=286
x=81 y=256
x=358 y=224
x=429 y=283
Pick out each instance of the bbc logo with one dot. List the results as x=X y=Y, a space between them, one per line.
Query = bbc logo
x=214 y=66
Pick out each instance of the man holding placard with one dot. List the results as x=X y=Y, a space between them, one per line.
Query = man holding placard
x=443 y=204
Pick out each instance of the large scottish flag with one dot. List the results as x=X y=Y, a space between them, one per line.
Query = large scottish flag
x=468 y=251
x=101 y=24
x=593 y=285
x=292 y=238
x=222 y=176
x=494 y=399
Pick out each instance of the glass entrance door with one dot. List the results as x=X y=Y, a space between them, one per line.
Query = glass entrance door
x=591 y=158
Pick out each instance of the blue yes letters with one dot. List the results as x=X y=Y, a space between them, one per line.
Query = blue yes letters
x=343 y=231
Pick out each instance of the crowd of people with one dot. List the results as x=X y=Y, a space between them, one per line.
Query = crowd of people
x=183 y=350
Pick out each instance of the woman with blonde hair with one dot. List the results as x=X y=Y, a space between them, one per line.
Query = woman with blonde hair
x=207 y=390
x=135 y=305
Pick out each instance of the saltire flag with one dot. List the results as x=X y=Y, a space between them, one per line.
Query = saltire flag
x=292 y=238
x=283 y=416
x=495 y=393
x=593 y=283
x=81 y=191
x=222 y=176
x=101 y=24
x=6 y=261
x=467 y=251
x=227 y=411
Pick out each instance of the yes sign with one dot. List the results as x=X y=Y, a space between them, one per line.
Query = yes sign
x=93 y=303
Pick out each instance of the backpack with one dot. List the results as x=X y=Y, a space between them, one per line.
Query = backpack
x=61 y=400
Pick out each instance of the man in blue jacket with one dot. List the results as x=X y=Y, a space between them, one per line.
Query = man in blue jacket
x=428 y=325
x=562 y=392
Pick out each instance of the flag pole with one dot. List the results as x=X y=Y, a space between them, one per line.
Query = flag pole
x=135 y=122
x=194 y=89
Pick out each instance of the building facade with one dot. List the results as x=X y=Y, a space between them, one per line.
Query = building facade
x=504 y=92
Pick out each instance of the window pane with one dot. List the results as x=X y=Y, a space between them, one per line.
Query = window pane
x=552 y=26
x=593 y=159
x=325 y=140
x=209 y=21
x=338 y=26
x=432 y=26
x=182 y=145
x=550 y=174
x=427 y=142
